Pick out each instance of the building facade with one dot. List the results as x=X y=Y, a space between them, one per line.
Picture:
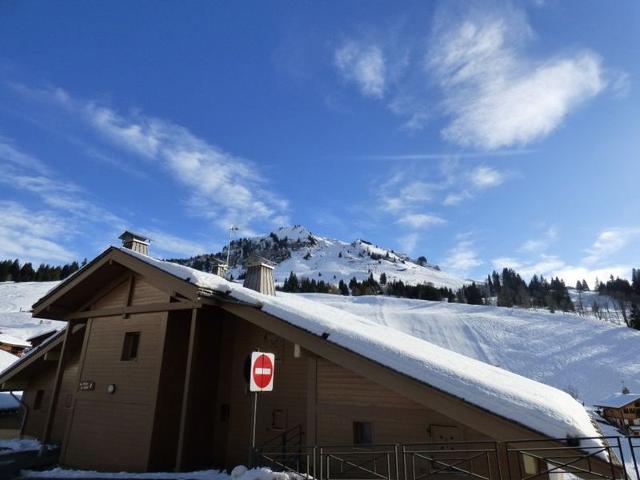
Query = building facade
x=150 y=375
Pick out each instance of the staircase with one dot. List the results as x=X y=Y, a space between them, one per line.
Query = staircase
x=284 y=450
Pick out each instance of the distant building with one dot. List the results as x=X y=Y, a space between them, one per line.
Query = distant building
x=40 y=337
x=623 y=410
x=13 y=345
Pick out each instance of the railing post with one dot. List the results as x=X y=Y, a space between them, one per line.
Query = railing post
x=396 y=450
x=313 y=458
x=624 y=467
x=502 y=450
x=633 y=456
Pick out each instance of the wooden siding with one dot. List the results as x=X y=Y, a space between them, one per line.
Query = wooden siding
x=344 y=397
x=322 y=397
x=36 y=419
x=114 y=430
x=289 y=388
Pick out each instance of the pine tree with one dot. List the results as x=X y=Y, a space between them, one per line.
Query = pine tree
x=634 y=317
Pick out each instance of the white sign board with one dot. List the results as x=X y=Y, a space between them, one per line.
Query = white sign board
x=261 y=373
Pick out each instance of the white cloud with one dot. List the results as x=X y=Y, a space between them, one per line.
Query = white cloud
x=546 y=265
x=363 y=65
x=607 y=243
x=466 y=186
x=222 y=187
x=409 y=242
x=59 y=195
x=498 y=97
x=486 y=177
x=163 y=242
x=550 y=266
x=537 y=245
x=611 y=241
x=420 y=220
x=462 y=258
x=9 y=153
x=32 y=235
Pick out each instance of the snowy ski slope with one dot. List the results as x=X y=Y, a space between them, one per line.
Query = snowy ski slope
x=585 y=356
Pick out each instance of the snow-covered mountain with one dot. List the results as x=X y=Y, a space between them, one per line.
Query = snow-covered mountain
x=586 y=357
x=296 y=249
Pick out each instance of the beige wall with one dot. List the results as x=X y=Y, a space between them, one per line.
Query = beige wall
x=113 y=431
x=34 y=425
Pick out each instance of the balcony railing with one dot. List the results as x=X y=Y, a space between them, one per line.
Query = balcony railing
x=593 y=458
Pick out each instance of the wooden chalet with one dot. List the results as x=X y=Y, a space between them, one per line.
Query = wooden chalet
x=623 y=410
x=148 y=375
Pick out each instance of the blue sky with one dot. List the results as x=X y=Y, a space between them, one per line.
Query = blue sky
x=478 y=135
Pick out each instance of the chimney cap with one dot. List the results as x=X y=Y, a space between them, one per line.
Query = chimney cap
x=257 y=261
x=128 y=235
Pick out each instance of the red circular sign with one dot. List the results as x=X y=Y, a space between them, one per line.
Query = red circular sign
x=262 y=371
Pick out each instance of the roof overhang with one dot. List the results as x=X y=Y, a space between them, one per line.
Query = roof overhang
x=15 y=377
x=107 y=268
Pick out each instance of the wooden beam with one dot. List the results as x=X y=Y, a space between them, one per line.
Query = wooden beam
x=101 y=292
x=14 y=385
x=147 y=308
x=49 y=356
x=159 y=278
x=48 y=426
x=186 y=395
x=130 y=287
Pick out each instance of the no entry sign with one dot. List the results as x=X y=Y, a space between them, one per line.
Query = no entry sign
x=261 y=373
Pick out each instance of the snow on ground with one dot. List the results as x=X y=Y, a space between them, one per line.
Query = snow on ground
x=18 y=445
x=17 y=297
x=534 y=404
x=584 y=355
x=238 y=473
x=15 y=306
x=608 y=309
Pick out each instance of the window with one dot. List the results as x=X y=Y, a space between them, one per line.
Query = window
x=362 y=433
x=530 y=464
x=130 y=346
x=37 y=402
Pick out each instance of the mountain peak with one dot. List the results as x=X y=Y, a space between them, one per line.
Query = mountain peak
x=295 y=249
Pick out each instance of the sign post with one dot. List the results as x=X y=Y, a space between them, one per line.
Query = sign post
x=260 y=380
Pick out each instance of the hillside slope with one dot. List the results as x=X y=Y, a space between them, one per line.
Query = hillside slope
x=587 y=357
x=296 y=249
x=15 y=305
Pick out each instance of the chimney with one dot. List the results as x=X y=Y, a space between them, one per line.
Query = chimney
x=137 y=243
x=218 y=267
x=259 y=275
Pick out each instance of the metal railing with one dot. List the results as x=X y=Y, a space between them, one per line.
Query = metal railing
x=593 y=458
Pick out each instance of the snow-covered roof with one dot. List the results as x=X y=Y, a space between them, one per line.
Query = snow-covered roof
x=585 y=356
x=15 y=341
x=7 y=359
x=540 y=407
x=618 y=400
